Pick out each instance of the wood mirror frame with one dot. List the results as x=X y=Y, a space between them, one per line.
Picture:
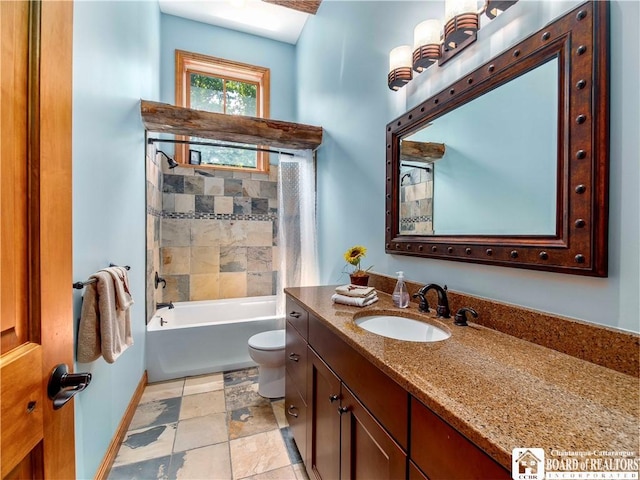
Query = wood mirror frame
x=579 y=39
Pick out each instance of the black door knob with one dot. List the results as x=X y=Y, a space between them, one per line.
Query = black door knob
x=64 y=385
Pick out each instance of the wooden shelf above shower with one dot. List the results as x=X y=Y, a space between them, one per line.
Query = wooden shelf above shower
x=165 y=118
x=421 y=151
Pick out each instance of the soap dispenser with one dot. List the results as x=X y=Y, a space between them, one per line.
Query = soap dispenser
x=400 y=293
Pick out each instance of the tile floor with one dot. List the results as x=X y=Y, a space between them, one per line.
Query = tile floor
x=209 y=427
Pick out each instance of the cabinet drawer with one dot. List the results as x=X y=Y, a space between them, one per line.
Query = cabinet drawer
x=443 y=453
x=295 y=410
x=296 y=359
x=383 y=397
x=297 y=316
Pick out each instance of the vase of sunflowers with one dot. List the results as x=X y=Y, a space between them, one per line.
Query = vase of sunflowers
x=354 y=256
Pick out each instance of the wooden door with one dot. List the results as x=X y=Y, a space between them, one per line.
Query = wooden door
x=36 y=314
x=324 y=402
x=367 y=450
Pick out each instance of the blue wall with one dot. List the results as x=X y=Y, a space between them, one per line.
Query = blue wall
x=181 y=34
x=116 y=62
x=341 y=71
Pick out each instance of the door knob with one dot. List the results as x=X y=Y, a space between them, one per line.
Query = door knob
x=64 y=385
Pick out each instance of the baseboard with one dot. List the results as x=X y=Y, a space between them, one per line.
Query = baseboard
x=114 y=446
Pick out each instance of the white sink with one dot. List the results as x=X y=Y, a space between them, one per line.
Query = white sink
x=402 y=328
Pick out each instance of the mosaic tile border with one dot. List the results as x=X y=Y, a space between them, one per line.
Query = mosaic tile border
x=259 y=217
x=422 y=218
x=154 y=212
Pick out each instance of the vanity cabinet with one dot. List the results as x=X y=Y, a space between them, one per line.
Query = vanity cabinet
x=295 y=395
x=351 y=421
x=444 y=454
x=346 y=442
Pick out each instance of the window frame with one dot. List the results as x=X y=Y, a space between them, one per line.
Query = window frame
x=188 y=63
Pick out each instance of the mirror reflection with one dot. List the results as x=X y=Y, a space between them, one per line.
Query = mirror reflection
x=488 y=167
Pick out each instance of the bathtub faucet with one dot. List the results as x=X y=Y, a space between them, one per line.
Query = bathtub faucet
x=162 y=305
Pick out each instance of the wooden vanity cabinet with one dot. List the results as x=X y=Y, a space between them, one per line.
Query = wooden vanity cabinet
x=324 y=420
x=296 y=373
x=442 y=453
x=346 y=442
x=351 y=421
x=367 y=450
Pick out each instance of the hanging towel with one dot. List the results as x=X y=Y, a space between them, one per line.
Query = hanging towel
x=89 y=329
x=356 y=302
x=355 y=291
x=113 y=303
x=105 y=317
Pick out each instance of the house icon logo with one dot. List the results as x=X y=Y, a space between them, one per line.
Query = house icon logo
x=527 y=464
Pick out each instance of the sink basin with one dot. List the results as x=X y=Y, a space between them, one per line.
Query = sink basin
x=402 y=328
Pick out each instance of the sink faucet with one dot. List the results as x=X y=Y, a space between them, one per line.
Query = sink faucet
x=162 y=305
x=443 y=302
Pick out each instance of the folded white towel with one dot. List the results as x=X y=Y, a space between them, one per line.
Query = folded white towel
x=354 y=301
x=355 y=291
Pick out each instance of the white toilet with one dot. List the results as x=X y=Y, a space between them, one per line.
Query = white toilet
x=267 y=350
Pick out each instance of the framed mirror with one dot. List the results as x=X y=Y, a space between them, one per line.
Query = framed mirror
x=509 y=165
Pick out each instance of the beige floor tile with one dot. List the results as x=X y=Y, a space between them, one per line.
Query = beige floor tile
x=145 y=444
x=251 y=420
x=206 y=462
x=202 y=404
x=201 y=431
x=161 y=391
x=300 y=471
x=284 y=473
x=258 y=454
x=278 y=411
x=204 y=383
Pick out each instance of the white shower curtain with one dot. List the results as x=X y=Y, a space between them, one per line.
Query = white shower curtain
x=297 y=247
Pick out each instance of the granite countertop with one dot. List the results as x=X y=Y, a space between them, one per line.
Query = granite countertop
x=501 y=392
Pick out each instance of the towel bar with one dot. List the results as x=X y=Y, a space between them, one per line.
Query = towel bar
x=81 y=285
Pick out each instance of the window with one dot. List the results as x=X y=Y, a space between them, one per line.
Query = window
x=221 y=86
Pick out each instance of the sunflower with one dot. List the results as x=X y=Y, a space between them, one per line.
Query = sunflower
x=354 y=255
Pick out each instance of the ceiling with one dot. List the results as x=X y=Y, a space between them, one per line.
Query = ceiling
x=257 y=17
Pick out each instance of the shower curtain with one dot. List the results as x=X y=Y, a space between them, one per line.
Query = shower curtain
x=297 y=247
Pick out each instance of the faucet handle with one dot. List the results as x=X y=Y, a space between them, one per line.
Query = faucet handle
x=424 y=305
x=461 y=316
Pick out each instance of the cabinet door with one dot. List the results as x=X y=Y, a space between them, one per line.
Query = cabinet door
x=444 y=454
x=296 y=411
x=323 y=402
x=367 y=450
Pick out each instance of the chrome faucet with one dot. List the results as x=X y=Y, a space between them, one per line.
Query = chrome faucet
x=162 y=305
x=442 y=310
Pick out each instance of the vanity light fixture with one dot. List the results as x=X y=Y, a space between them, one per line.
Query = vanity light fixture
x=432 y=43
x=462 y=23
x=496 y=7
x=426 y=44
x=399 y=67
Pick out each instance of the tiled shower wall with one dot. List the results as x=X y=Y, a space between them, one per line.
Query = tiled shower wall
x=218 y=233
x=154 y=214
x=416 y=201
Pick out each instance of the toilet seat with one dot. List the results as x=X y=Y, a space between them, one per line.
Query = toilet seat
x=268 y=341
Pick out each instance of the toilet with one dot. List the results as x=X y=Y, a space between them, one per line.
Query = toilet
x=267 y=350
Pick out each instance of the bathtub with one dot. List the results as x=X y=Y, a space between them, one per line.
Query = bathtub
x=207 y=336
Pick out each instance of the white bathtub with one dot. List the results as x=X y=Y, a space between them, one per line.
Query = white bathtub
x=208 y=336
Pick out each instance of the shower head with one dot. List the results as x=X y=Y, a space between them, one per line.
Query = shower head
x=172 y=163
